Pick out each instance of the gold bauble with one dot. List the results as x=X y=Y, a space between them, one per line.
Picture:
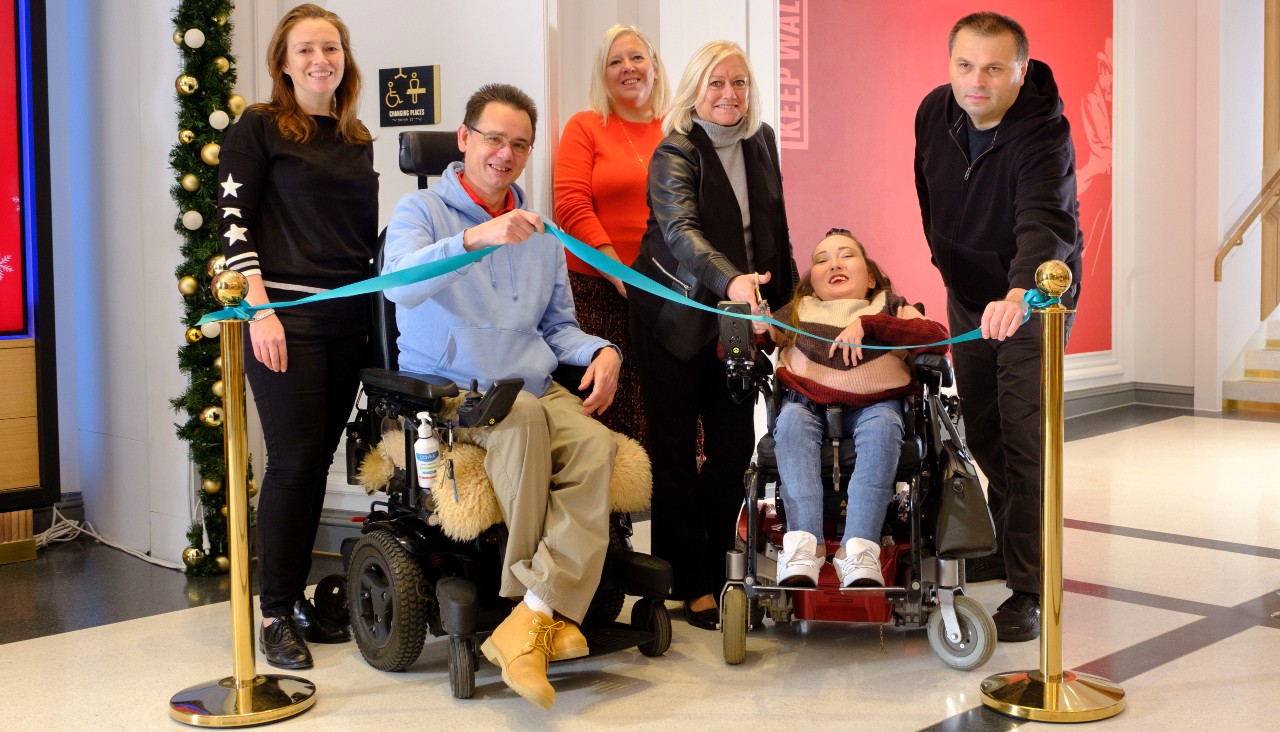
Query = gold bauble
x=220 y=18
x=177 y=38
x=222 y=64
x=223 y=563
x=194 y=335
x=188 y=286
x=192 y=555
x=190 y=182
x=186 y=137
x=253 y=487
x=217 y=363
x=186 y=84
x=211 y=416
x=211 y=486
x=210 y=152
x=217 y=388
x=236 y=104
x=229 y=287
x=215 y=265
x=1053 y=278
x=224 y=511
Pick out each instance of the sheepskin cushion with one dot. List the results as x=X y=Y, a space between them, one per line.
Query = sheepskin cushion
x=475 y=507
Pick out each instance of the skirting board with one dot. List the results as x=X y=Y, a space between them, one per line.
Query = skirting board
x=337 y=525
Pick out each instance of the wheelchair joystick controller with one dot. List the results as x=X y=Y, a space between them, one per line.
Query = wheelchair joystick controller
x=737 y=341
x=476 y=410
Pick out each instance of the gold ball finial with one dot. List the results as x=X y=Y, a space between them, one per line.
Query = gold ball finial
x=230 y=287
x=1053 y=278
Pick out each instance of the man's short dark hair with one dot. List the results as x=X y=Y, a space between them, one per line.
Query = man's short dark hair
x=991 y=24
x=503 y=94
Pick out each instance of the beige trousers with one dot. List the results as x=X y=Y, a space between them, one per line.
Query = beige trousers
x=550 y=466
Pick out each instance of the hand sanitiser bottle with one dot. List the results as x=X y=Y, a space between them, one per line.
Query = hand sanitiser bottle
x=426 y=451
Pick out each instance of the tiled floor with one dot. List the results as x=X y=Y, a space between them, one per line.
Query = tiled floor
x=1172 y=563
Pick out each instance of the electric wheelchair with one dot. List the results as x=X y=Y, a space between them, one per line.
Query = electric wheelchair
x=921 y=589
x=408 y=574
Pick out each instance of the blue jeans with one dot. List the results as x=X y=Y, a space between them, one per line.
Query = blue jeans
x=877 y=436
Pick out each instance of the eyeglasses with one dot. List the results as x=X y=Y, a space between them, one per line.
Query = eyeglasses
x=495 y=141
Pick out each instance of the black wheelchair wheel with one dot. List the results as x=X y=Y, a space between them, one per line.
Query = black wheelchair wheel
x=757 y=614
x=330 y=600
x=388 y=613
x=650 y=613
x=462 y=666
x=610 y=595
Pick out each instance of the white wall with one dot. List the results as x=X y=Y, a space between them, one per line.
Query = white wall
x=1155 y=176
x=1188 y=105
x=118 y=307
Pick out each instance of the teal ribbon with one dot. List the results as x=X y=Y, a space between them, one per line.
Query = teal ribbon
x=602 y=262
x=610 y=266
x=406 y=276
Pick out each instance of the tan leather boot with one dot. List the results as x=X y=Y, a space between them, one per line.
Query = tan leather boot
x=521 y=647
x=568 y=642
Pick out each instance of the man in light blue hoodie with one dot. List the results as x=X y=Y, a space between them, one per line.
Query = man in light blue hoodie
x=508 y=315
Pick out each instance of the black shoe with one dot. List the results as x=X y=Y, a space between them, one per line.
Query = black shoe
x=282 y=646
x=984 y=569
x=708 y=619
x=316 y=628
x=1018 y=618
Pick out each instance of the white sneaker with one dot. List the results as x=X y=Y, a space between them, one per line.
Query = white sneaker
x=860 y=565
x=798 y=563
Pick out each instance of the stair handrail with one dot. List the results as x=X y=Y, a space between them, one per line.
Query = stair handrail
x=1267 y=197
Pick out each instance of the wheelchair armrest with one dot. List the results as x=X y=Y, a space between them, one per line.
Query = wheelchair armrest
x=934 y=370
x=420 y=390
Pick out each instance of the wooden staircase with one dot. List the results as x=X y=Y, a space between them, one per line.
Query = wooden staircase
x=1259 y=390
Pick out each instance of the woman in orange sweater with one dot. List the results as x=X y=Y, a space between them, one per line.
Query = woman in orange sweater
x=601 y=174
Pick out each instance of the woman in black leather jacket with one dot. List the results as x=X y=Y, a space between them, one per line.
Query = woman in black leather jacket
x=717 y=230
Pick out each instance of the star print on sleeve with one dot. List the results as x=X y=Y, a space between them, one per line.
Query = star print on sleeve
x=228 y=212
x=230 y=186
x=236 y=233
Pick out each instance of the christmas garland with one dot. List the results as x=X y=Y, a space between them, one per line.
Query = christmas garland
x=206 y=106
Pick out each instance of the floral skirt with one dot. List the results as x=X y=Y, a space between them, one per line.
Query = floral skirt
x=603 y=312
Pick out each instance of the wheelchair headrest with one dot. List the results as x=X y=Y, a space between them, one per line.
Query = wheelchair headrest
x=428 y=152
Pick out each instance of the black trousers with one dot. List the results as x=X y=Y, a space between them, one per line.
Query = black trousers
x=999 y=387
x=303 y=411
x=695 y=511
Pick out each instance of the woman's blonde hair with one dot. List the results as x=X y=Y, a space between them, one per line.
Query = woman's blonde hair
x=295 y=124
x=694 y=82
x=602 y=100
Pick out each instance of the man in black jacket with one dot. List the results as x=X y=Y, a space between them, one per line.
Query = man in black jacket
x=995 y=173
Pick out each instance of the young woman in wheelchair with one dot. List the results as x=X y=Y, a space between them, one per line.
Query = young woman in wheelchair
x=845 y=297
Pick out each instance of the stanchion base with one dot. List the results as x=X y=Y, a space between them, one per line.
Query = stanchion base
x=1076 y=698
x=270 y=698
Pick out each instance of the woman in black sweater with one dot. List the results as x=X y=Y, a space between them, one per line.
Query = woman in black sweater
x=297 y=215
x=717 y=230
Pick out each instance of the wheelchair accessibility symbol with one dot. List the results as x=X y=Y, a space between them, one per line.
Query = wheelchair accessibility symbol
x=411 y=96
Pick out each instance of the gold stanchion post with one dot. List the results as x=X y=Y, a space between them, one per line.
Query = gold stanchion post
x=1051 y=694
x=245 y=698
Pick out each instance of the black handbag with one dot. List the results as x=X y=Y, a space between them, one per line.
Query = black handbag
x=964 y=529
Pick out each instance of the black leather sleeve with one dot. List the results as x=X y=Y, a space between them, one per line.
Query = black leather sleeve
x=675 y=175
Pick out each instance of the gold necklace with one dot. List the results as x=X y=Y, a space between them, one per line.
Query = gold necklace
x=623 y=125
